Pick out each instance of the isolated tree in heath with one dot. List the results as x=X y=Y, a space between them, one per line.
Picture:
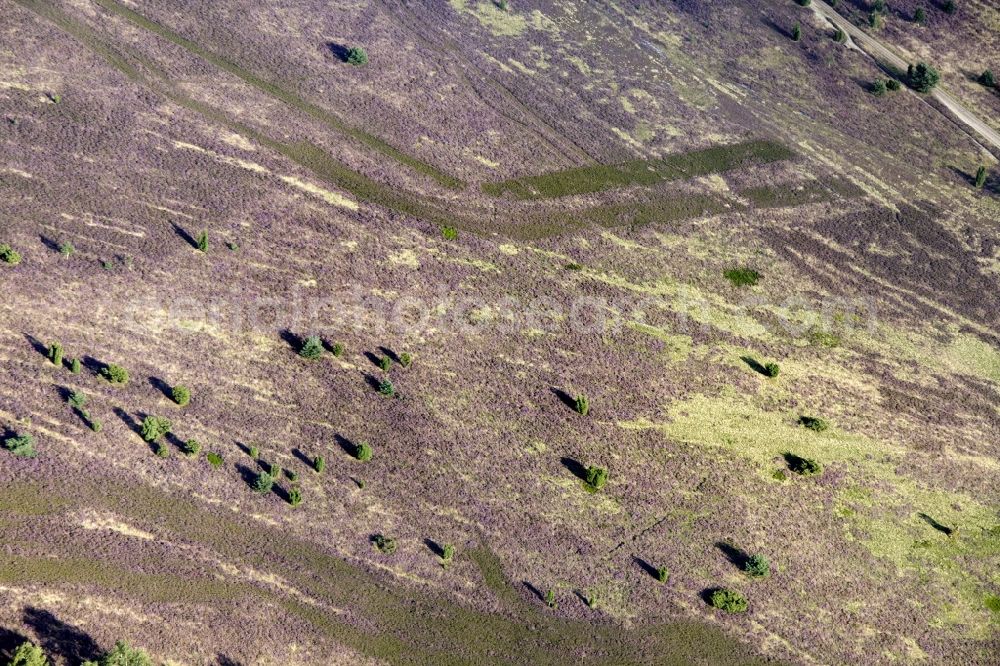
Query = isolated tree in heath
x=987 y=79
x=980 y=177
x=357 y=56
x=796 y=33
x=922 y=77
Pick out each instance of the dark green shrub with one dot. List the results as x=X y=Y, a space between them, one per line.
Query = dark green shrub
x=77 y=399
x=449 y=233
x=597 y=477
x=363 y=451
x=385 y=363
x=154 y=427
x=263 y=483
x=448 y=553
x=590 y=598
x=502 y=5
x=922 y=77
x=123 y=655
x=662 y=574
x=919 y=16
x=386 y=388
x=55 y=353
x=878 y=88
x=742 y=277
x=233 y=246
x=814 y=423
x=582 y=405
x=66 y=249
x=357 y=56
x=96 y=425
x=22 y=446
x=292 y=476
x=74 y=366
x=254 y=452
x=779 y=475
x=949 y=7
x=162 y=450
x=728 y=600
x=573 y=266
x=405 y=360
x=893 y=85
x=115 y=374
x=804 y=3
x=987 y=79
x=772 y=369
x=876 y=21
x=550 y=599
x=202 y=241
x=181 y=395
x=192 y=447
x=839 y=36
x=980 y=177
x=214 y=459
x=9 y=255
x=803 y=466
x=312 y=348
x=757 y=566
x=879 y=6
x=384 y=544
x=319 y=464
x=796 y=32
x=337 y=349
x=295 y=497
x=274 y=469
x=28 y=654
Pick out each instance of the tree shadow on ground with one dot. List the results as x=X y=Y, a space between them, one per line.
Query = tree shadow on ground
x=943 y=529
x=49 y=243
x=58 y=638
x=434 y=547
x=162 y=387
x=564 y=397
x=349 y=447
x=575 y=467
x=393 y=356
x=188 y=238
x=300 y=455
x=293 y=341
x=534 y=590
x=9 y=642
x=127 y=419
x=224 y=660
x=37 y=345
x=646 y=566
x=338 y=51
x=93 y=364
x=374 y=358
x=769 y=22
x=754 y=364
x=736 y=556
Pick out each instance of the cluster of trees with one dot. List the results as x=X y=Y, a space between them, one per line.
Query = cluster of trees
x=122 y=654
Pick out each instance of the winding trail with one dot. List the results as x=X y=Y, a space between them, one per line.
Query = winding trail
x=878 y=51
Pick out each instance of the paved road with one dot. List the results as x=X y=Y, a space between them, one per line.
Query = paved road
x=882 y=53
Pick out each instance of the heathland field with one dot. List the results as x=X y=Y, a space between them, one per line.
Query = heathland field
x=473 y=332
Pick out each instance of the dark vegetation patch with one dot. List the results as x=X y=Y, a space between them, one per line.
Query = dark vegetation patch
x=584 y=180
x=789 y=195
